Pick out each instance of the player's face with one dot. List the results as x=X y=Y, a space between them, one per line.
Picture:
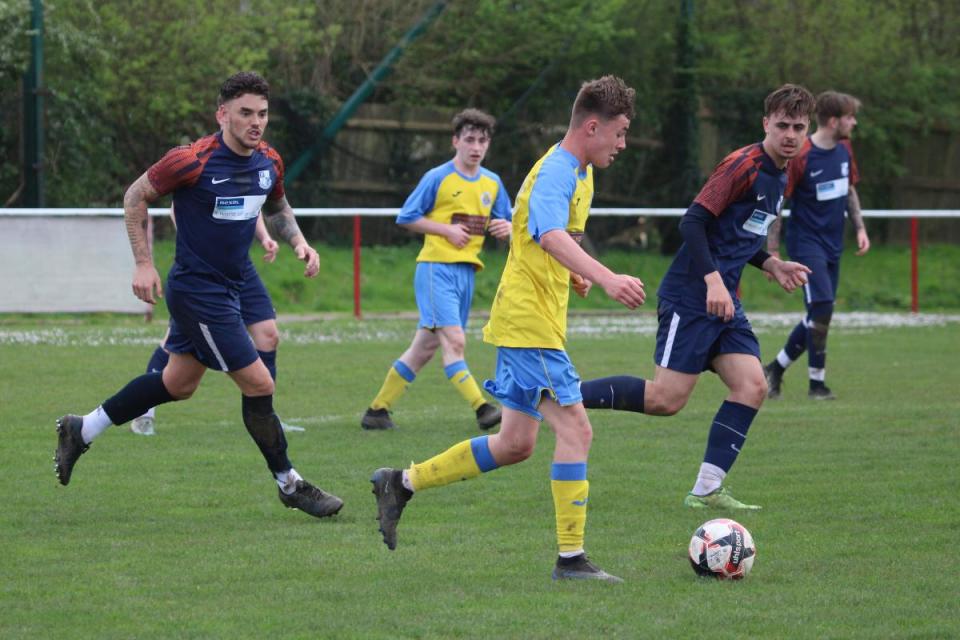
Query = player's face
x=845 y=125
x=471 y=147
x=785 y=135
x=607 y=139
x=243 y=120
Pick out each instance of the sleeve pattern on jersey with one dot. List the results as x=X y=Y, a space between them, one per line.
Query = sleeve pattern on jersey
x=278 y=189
x=795 y=168
x=730 y=180
x=179 y=167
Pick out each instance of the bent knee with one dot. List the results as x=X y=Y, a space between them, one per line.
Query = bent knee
x=665 y=406
x=181 y=390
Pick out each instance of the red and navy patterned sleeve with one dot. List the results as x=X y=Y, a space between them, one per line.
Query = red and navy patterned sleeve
x=278 y=191
x=730 y=180
x=795 y=168
x=181 y=166
x=854 y=169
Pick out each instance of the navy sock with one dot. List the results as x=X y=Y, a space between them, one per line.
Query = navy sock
x=158 y=360
x=797 y=342
x=264 y=427
x=136 y=398
x=820 y=316
x=728 y=433
x=623 y=393
x=270 y=360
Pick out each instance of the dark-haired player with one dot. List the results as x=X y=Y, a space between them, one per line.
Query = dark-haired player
x=821 y=187
x=219 y=185
x=702 y=325
x=453 y=206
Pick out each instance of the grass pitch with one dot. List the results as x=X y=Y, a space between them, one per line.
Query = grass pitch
x=182 y=536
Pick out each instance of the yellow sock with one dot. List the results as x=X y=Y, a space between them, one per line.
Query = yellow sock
x=570 y=491
x=462 y=461
x=464 y=383
x=398 y=379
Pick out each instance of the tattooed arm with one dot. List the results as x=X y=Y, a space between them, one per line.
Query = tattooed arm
x=773 y=237
x=146 y=280
x=856 y=217
x=280 y=221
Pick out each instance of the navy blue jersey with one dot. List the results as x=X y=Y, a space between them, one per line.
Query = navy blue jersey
x=217 y=195
x=818 y=186
x=745 y=194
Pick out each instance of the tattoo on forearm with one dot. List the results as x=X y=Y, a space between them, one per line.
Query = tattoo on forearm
x=853 y=210
x=135 y=217
x=280 y=221
x=773 y=236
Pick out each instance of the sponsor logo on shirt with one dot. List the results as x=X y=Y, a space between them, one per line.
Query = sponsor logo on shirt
x=239 y=208
x=758 y=222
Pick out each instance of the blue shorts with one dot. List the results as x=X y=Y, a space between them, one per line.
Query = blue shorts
x=211 y=328
x=822 y=282
x=444 y=293
x=524 y=375
x=688 y=340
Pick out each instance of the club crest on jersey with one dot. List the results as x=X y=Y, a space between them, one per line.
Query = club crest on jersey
x=486 y=199
x=844 y=168
x=265 y=179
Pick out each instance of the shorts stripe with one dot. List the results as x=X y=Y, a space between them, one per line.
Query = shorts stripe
x=213 y=345
x=807 y=294
x=674 y=323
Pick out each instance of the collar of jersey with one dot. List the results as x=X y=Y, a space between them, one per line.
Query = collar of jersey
x=453 y=169
x=572 y=160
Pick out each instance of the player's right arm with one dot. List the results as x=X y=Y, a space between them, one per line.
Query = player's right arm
x=147 y=285
x=625 y=289
x=421 y=202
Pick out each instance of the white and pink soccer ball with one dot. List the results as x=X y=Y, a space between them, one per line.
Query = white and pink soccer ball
x=722 y=549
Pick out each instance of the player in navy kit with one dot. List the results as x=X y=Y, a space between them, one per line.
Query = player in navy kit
x=219 y=185
x=702 y=324
x=822 y=181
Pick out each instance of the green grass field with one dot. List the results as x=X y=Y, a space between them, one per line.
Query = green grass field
x=182 y=536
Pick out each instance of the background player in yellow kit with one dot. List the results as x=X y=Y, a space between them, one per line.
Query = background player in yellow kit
x=453 y=206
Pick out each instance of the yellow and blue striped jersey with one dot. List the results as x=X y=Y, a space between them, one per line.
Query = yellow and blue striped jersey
x=447 y=196
x=530 y=308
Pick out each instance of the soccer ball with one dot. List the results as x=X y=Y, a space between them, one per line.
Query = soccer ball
x=722 y=549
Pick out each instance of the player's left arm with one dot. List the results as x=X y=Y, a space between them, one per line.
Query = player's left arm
x=856 y=217
x=280 y=221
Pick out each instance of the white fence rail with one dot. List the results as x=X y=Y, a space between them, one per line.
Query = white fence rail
x=78 y=259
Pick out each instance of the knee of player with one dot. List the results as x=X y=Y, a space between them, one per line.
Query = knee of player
x=513 y=451
x=268 y=341
x=180 y=390
x=663 y=405
x=456 y=346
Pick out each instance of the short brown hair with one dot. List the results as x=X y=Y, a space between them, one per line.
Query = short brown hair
x=833 y=104
x=607 y=97
x=791 y=99
x=243 y=83
x=475 y=119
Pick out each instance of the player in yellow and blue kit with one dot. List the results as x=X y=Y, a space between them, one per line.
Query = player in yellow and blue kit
x=534 y=377
x=454 y=205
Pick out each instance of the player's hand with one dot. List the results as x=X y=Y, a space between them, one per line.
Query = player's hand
x=308 y=254
x=499 y=228
x=625 y=289
x=581 y=286
x=790 y=275
x=270 y=248
x=863 y=242
x=146 y=281
x=458 y=235
x=719 y=302
x=774 y=254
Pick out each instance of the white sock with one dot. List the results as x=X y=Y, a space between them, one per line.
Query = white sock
x=709 y=479
x=94 y=423
x=784 y=359
x=287 y=480
x=406 y=481
x=817 y=374
x=571 y=554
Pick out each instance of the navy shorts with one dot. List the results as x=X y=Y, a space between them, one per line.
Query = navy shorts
x=822 y=282
x=211 y=328
x=689 y=340
x=444 y=293
x=255 y=303
x=524 y=375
